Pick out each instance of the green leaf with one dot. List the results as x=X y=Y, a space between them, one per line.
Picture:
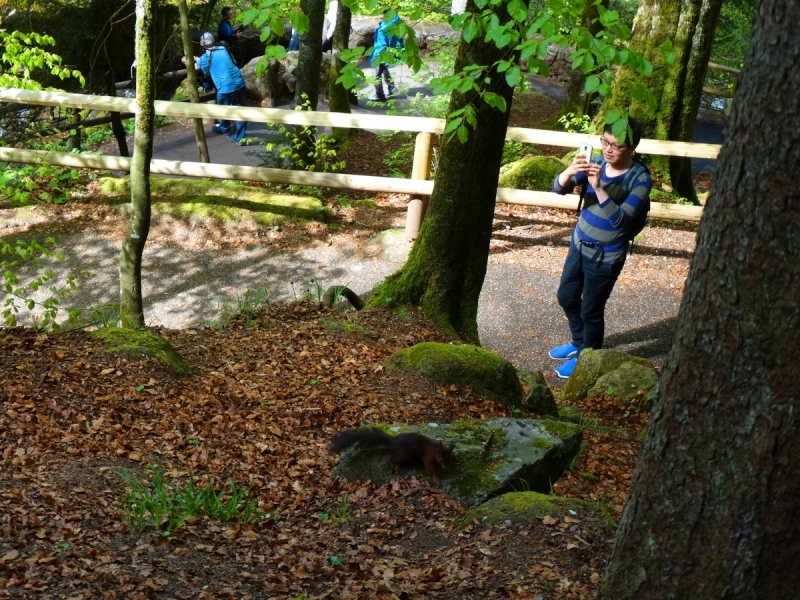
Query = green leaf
x=613 y=116
x=453 y=125
x=513 y=76
x=592 y=83
x=462 y=134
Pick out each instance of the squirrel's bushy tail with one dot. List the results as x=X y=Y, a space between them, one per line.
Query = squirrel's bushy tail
x=367 y=437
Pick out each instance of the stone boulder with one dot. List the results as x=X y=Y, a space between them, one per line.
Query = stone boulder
x=289 y=77
x=592 y=364
x=461 y=364
x=490 y=458
x=628 y=382
x=266 y=87
x=532 y=173
x=539 y=398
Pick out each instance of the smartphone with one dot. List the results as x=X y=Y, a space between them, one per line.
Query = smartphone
x=586 y=150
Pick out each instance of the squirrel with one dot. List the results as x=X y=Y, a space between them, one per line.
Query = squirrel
x=404 y=448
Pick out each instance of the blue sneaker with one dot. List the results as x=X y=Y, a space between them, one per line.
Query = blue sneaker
x=567 y=350
x=564 y=370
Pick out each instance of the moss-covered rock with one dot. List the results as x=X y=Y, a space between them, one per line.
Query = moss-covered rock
x=462 y=364
x=570 y=412
x=226 y=202
x=490 y=458
x=340 y=325
x=532 y=173
x=627 y=382
x=592 y=364
x=143 y=344
x=524 y=507
x=539 y=398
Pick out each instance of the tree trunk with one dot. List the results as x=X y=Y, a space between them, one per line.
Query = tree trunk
x=677 y=87
x=340 y=96
x=714 y=507
x=309 y=62
x=207 y=15
x=191 y=75
x=445 y=270
x=578 y=102
x=309 y=57
x=130 y=262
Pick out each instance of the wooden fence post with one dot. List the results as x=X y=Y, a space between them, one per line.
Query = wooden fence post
x=420 y=170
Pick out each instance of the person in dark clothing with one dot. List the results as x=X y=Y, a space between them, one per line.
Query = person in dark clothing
x=599 y=243
x=225 y=30
x=217 y=62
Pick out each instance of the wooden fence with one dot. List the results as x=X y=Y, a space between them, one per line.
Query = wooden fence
x=419 y=186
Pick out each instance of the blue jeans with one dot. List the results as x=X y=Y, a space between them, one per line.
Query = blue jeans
x=583 y=292
x=235 y=98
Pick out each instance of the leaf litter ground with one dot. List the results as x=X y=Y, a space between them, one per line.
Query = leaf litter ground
x=259 y=409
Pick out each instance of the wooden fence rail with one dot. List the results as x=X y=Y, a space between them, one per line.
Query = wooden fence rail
x=417 y=186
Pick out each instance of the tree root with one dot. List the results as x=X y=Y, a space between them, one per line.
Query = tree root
x=335 y=292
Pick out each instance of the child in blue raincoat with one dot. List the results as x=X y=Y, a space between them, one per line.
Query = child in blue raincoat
x=381 y=69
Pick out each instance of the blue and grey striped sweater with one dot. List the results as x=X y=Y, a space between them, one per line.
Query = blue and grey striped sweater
x=605 y=224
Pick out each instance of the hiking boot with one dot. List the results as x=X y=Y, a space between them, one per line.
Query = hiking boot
x=564 y=370
x=377 y=98
x=392 y=89
x=567 y=350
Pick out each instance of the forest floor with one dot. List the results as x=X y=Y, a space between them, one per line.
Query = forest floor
x=262 y=401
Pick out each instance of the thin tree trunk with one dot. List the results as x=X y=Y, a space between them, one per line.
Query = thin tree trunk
x=191 y=76
x=119 y=134
x=445 y=270
x=340 y=96
x=578 y=102
x=130 y=263
x=310 y=54
x=677 y=87
x=714 y=507
x=309 y=62
x=207 y=15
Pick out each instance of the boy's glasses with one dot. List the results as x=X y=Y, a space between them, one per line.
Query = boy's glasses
x=614 y=146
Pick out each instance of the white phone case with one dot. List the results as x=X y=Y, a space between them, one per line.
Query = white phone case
x=586 y=150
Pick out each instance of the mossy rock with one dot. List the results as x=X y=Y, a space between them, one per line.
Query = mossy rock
x=592 y=364
x=524 y=507
x=532 y=173
x=539 y=398
x=570 y=412
x=224 y=201
x=629 y=381
x=138 y=344
x=347 y=326
x=490 y=458
x=461 y=364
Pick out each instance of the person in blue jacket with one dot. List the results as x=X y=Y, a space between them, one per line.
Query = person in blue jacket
x=217 y=62
x=599 y=241
x=380 y=66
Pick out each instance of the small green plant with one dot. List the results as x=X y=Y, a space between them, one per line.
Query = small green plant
x=18 y=292
x=520 y=485
x=589 y=422
x=514 y=151
x=152 y=501
x=38 y=182
x=307 y=149
x=342 y=200
x=589 y=476
x=336 y=561
x=246 y=304
x=574 y=462
x=576 y=123
x=342 y=514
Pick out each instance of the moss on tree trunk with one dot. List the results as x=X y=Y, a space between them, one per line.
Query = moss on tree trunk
x=713 y=507
x=677 y=87
x=445 y=270
x=130 y=262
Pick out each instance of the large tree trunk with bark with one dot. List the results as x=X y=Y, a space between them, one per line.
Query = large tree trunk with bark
x=578 y=102
x=445 y=270
x=714 y=507
x=677 y=87
x=130 y=262
x=340 y=96
x=191 y=75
